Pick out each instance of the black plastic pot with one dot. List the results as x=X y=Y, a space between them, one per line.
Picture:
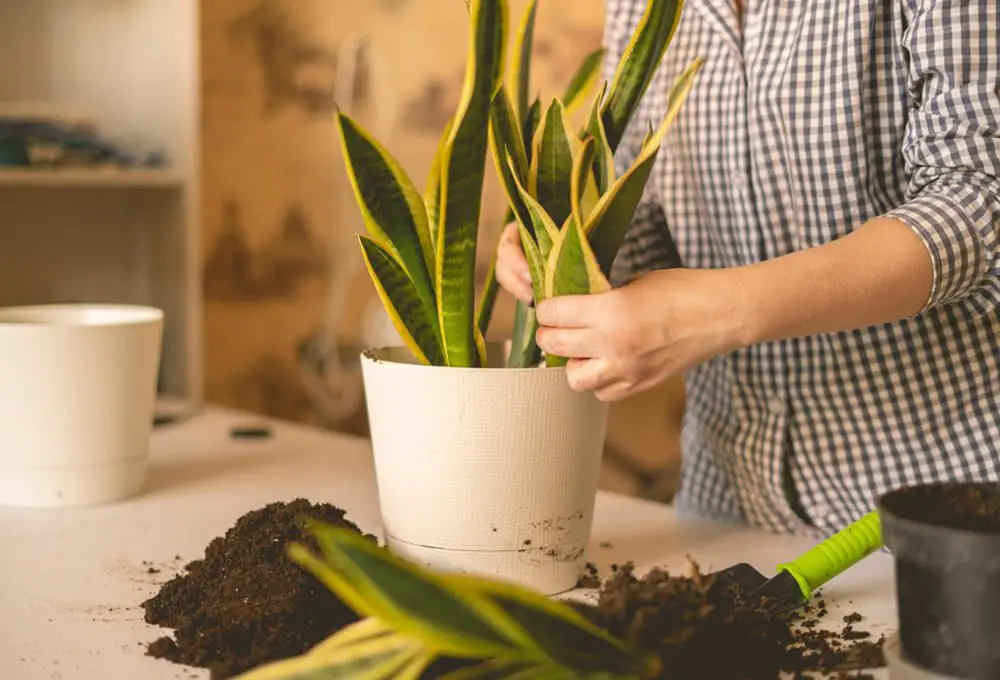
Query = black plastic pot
x=947 y=557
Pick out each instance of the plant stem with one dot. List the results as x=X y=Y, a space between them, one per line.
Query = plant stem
x=524 y=353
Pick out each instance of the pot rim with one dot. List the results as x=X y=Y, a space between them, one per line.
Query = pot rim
x=368 y=356
x=886 y=499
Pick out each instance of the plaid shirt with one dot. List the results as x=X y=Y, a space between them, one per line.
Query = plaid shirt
x=814 y=118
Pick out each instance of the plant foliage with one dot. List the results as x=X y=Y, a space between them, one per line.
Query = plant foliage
x=571 y=209
x=413 y=617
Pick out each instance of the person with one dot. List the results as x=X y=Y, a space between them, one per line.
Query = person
x=817 y=251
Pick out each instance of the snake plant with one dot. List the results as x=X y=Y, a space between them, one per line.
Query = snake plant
x=413 y=619
x=571 y=208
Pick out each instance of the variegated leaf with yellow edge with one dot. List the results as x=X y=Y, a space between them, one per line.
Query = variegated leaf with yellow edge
x=410 y=315
x=638 y=64
x=391 y=207
x=521 y=63
x=539 y=224
x=583 y=186
x=604 y=161
x=432 y=193
x=463 y=172
x=506 y=145
x=583 y=79
x=609 y=221
x=572 y=269
x=378 y=658
x=555 y=146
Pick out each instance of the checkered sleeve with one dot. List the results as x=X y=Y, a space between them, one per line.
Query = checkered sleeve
x=952 y=145
x=648 y=244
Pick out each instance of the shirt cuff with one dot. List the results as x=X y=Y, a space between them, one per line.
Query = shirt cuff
x=955 y=224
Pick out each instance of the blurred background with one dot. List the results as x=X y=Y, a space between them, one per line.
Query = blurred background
x=194 y=165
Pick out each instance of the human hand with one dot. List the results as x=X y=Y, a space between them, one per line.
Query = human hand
x=512 y=266
x=632 y=338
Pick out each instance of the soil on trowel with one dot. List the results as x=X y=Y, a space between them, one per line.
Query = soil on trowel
x=958 y=506
x=246 y=603
x=700 y=629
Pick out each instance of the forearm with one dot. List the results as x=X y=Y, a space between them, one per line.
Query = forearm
x=879 y=273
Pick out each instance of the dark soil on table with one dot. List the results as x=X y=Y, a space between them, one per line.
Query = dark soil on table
x=973 y=507
x=246 y=603
x=701 y=630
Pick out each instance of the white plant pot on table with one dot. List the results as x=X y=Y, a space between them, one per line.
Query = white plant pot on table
x=488 y=471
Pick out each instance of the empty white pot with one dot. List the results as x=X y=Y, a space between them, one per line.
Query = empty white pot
x=77 y=393
x=489 y=471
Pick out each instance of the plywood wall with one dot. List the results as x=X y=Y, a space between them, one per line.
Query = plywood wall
x=279 y=219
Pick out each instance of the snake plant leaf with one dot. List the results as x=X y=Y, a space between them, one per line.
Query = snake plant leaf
x=583 y=187
x=413 y=317
x=524 y=351
x=613 y=213
x=521 y=67
x=411 y=600
x=572 y=269
x=638 y=64
x=393 y=211
x=491 y=287
x=365 y=630
x=541 y=225
x=555 y=147
x=536 y=265
x=529 y=126
x=604 y=161
x=379 y=658
x=432 y=192
x=585 y=76
x=562 y=634
x=462 y=177
x=507 y=149
x=493 y=669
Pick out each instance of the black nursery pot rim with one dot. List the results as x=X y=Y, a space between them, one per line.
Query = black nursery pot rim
x=889 y=507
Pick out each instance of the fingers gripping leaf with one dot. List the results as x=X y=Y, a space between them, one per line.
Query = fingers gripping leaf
x=463 y=171
x=572 y=269
x=609 y=221
x=392 y=209
x=413 y=317
x=641 y=58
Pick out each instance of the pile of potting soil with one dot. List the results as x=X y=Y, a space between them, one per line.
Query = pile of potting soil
x=701 y=630
x=246 y=603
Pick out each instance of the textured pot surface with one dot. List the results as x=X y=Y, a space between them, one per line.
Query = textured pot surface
x=947 y=579
x=491 y=471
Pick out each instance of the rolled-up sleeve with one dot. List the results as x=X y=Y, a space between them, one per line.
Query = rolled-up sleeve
x=951 y=148
x=648 y=244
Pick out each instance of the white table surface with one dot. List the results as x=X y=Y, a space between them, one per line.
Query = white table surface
x=72 y=580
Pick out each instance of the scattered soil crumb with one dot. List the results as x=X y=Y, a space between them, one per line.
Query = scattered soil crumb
x=853 y=617
x=686 y=620
x=245 y=603
x=590 y=578
x=152 y=570
x=605 y=544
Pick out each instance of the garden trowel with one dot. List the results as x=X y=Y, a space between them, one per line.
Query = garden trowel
x=796 y=581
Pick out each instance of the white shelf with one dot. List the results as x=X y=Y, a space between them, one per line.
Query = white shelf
x=90 y=177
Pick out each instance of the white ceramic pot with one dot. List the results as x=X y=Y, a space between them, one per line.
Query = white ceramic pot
x=77 y=395
x=489 y=471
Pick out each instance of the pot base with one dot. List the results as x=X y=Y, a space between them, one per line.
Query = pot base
x=901 y=668
x=72 y=486
x=548 y=570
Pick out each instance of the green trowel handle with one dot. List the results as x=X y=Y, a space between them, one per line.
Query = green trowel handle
x=834 y=555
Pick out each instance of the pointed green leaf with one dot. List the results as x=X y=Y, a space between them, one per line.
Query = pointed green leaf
x=638 y=64
x=530 y=127
x=413 y=318
x=560 y=633
x=539 y=224
x=393 y=211
x=585 y=76
x=507 y=149
x=376 y=659
x=413 y=601
x=487 y=299
x=610 y=219
x=536 y=265
x=604 y=161
x=365 y=630
x=463 y=173
x=521 y=68
x=555 y=146
x=432 y=193
x=488 y=670
x=583 y=190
